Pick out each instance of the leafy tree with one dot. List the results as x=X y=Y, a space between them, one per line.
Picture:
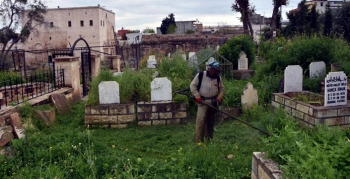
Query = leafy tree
x=243 y=7
x=148 y=30
x=276 y=5
x=343 y=21
x=298 y=20
x=171 y=29
x=189 y=31
x=168 y=22
x=10 y=14
x=313 y=16
x=328 y=21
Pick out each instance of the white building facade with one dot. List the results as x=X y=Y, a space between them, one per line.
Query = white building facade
x=65 y=25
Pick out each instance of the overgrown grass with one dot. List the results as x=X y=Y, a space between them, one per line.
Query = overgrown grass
x=69 y=150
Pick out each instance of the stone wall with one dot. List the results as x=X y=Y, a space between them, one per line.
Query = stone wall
x=264 y=168
x=143 y=114
x=310 y=115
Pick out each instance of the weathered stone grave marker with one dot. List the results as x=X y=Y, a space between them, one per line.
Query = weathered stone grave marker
x=152 y=62
x=60 y=102
x=293 y=79
x=317 y=69
x=335 y=89
x=242 y=61
x=161 y=89
x=108 y=92
x=249 y=97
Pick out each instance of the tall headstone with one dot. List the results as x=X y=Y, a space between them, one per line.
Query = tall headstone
x=317 y=69
x=335 y=89
x=161 y=89
x=249 y=97
x=152 y=62
x=293 y=79
x=108 y=92
x=242 y=61
x=193 y=61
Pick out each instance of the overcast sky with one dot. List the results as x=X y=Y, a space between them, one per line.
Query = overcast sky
x=140 y=14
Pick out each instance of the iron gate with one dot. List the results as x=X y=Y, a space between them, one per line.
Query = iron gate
x=86 y=71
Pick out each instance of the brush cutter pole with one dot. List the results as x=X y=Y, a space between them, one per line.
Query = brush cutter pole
x=183 y=92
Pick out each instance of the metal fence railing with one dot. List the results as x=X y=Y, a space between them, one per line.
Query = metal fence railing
x=16 y=90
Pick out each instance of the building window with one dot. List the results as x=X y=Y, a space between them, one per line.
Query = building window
x=81 y=23
x=106 y=15
x=69 y=24
x=51 y=24
x=91 y=23
x=50 y=38
x=101 y=23
x=321 y=4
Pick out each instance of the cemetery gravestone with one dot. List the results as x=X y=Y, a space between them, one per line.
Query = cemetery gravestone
x=108 y=92
x=242 y=61
x=249 y=97
x=317 y=69
x=184 y=56
x=152 y=62
x=293 y=79
x=335 y=89
x=161 y=89
x=192 y=59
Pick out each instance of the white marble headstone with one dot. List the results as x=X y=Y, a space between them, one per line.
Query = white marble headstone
x=161 y=89
x=249 y=97
x=317 y=69
x=191 y=54
x=335 y=89
x=152 y=62
x=193 y=61
x=108 y=92
x=242 y=61
x=293 y=79
x=184 y=56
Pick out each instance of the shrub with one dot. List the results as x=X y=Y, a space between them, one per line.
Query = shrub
x=233 y=47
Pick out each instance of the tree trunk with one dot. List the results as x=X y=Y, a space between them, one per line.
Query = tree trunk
x=274 y=18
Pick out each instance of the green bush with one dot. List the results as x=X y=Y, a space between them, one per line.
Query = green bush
x=234 y=46
x=6 y=76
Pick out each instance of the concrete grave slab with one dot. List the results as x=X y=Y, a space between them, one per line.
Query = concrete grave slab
x=48 y=116
x=60 y=102
x=17 y=125
x=5 y=135
x=161 y=89
x=293 y=79
x=109 y=92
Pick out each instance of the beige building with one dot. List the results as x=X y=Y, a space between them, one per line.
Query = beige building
x=65 y=25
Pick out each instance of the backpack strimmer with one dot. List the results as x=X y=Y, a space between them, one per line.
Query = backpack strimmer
x=200 y=77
